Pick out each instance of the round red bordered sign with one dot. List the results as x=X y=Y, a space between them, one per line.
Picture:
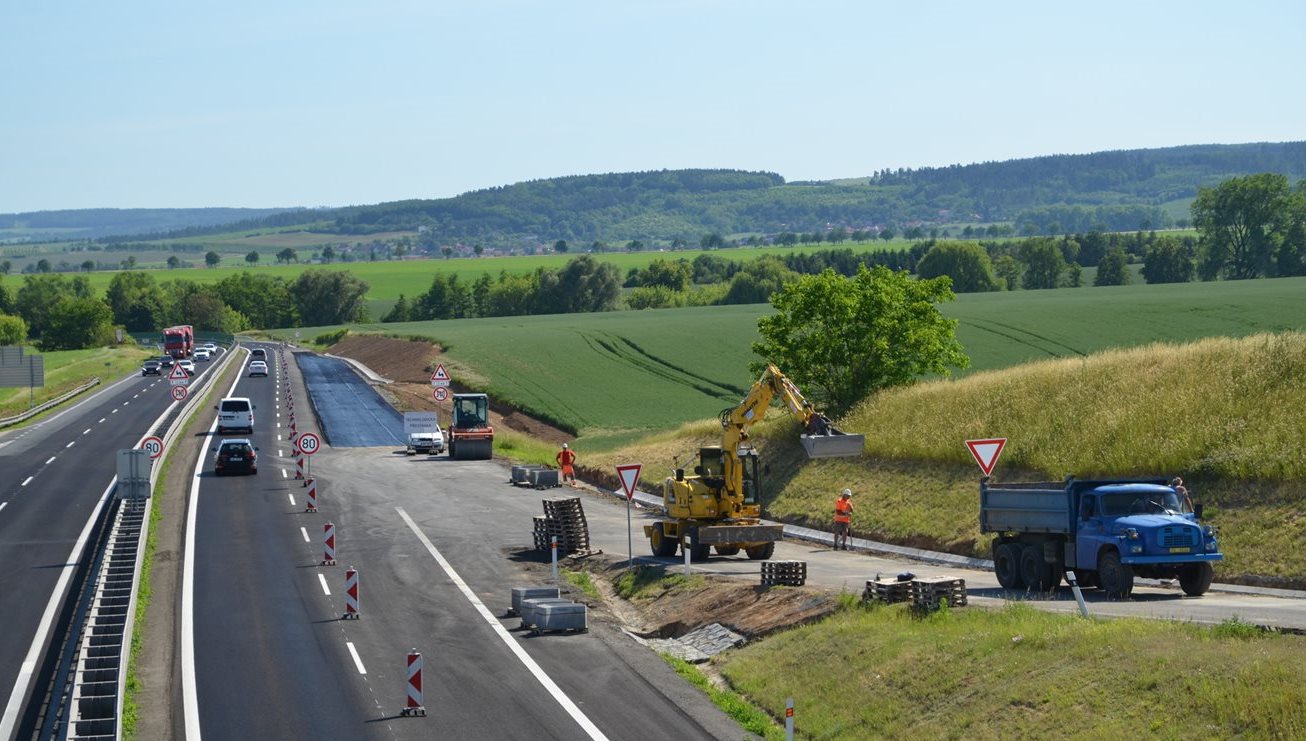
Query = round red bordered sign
x=153 y=446
x=308 y=443
x=179 y=392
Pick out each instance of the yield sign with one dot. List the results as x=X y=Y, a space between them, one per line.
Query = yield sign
x=629 y=474
x=986 y=452
x=440 y=377
x=178 y=376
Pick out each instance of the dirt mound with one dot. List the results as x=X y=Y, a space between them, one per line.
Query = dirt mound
x=409 y=365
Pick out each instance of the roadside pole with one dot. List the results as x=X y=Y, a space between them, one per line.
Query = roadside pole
x=629 y=476
x=1079 y=596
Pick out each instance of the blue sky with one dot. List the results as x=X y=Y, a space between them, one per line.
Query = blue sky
x=288 y=103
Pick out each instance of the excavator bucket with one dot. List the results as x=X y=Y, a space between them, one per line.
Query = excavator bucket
x=836 y=445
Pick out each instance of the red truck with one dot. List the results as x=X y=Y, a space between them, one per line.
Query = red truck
x=179 y=341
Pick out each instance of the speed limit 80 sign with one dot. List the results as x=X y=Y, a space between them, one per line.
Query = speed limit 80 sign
x=153 y=446
x=308 y=443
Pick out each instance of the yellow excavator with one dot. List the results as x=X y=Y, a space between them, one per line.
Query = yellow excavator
x=720 y=505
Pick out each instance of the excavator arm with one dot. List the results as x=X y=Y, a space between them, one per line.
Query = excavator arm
x=820 y=438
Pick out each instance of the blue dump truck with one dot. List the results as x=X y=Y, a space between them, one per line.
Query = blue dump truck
x=1107 y=532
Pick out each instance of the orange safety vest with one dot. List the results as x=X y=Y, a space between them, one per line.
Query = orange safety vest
x=843 y=510
x=565 y=458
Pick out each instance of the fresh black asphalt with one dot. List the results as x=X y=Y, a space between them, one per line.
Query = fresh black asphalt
x=351 y=413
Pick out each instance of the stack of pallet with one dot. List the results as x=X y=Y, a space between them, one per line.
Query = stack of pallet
x=928 y=594
x=788 y=573
x=564 y=519
x=887 y=591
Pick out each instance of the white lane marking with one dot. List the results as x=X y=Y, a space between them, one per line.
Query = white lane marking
x=358 y=662
x=189 y=693
x=27 y=481
x=3 y=505
x=134 y=396
x=69 y=445
x=325 y=590
x=101 y=421
x=115 y=411
x=304 y=532
x=284 y=474
x=50 y=461
x=291 y=497
x=525 y=658
x=86 y=431
x=125 y=403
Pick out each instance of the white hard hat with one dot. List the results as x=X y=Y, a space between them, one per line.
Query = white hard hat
x=847 y=492
x=564 y=446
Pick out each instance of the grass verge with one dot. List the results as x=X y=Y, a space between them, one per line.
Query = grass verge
x=753 y=719
x=582 y=581
x=650 y=582
x=65 y=370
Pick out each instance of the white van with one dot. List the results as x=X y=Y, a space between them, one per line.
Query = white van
x=235 y=413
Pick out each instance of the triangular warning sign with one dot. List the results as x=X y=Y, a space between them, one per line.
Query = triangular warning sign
x=629 y=474
x=178 y=373
x=986 y=452
x=440 y=377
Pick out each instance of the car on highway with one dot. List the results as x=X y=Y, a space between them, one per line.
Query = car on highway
x=187 y=365
x=235 y=413
x=202 y=354
x=151 y=368
x=258 y=368
x=258 y=353
x=211 y=347
x=235 y=455
x=166 y=361
x=431 y=443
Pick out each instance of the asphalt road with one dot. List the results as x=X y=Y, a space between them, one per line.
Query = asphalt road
x=53 y=475
x=350 y=413
x=437 y=557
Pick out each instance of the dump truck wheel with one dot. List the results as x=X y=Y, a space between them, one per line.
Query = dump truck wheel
x=727 y=550
x=663 y=547
x=699 y=553
x=1196 y=579
x=1006 y=564
x=1116 y=578
x=1037 y=573
x=760 y=552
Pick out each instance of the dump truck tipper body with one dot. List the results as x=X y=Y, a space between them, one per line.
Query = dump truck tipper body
x=1105 y=531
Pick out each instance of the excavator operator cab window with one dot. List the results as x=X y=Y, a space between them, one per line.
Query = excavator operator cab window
x=752 y=483
x=711 y=463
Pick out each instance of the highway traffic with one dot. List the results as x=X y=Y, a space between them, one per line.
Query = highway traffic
x=56 y=475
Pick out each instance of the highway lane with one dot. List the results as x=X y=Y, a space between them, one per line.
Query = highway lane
x=53 y=474
x=274 y=659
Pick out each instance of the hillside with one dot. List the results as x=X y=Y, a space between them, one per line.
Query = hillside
x=1114 y=191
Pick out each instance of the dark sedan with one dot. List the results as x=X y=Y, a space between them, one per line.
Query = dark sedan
x=151 y=368
x=235 y=455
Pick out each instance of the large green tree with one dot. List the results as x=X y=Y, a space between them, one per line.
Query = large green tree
x=1043 y=261
x=758 y=281
x=1168 y=260
x=329 y=297
x=13 y=330
x=582 y=285
x=1242 y=222
x=264 y=300
x=137 y=301
x=75 y=323
x=1113 y=268
x=842 y=339
x=966 y=263
x=40 y=293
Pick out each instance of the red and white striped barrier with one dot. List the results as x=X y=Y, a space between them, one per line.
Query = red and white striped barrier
x=351 y=594
x=329 y=544
x=299 y=466
x=414 y=705
x=312 y=495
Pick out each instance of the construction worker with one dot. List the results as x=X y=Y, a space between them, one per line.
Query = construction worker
x=843 y=519
x=566 y=458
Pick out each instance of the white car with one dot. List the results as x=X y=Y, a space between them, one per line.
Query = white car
x=202 y=354
x=431 y=443
x=212 y=348
x=187 y=365
x=258 y=368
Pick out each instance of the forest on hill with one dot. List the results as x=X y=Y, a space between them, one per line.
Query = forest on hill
x=1106 y=191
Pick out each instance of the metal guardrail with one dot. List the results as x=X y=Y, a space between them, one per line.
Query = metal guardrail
x=8 y=421
x=86 y=695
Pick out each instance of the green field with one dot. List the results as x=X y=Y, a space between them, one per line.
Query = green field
x=612 y=374
x=65 y=370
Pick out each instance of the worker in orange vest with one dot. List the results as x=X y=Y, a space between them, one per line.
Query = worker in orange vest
x=843 y=519
x=565 y=460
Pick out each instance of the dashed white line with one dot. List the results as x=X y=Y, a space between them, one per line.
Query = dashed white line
x=325 y=590
x=125 y=403
x=50 y=461
x=86 y=431
x=101 y=421
x=291 y=497
x=284 y=475
x=358 y=662
x=69 y=445
x=3 y=505
x=27 y=481
x=304 y=533
x=134 y=396
x=115 y=411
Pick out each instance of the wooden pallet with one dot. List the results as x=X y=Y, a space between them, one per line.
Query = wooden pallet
x=788 y=573
x=931 y=593
x=888 y=591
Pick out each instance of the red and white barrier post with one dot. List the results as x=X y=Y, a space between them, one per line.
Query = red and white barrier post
x=329 y=544
x=312 y=495
x=351 y=594
x=414 y=705
x=299 y=465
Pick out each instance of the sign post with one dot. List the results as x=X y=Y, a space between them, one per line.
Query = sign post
x=986 y=452
x=629 y=475
x=308 y=444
